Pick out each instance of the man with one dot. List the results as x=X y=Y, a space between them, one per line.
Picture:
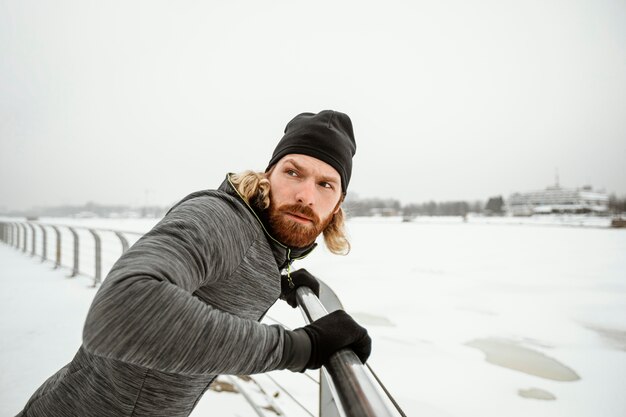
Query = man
x=184 y=303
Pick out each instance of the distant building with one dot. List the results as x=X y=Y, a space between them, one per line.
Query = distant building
x=555 y=199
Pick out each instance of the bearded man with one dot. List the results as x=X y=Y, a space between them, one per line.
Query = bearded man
x=184 y=303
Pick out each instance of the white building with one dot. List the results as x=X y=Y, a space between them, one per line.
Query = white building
x=555 y=199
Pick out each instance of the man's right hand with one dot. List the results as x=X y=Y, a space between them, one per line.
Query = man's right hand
x=334 y=332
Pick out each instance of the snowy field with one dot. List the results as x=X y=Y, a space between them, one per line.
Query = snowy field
x=487 y=317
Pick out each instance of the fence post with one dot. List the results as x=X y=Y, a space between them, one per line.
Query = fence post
x=44 y=248
x=25 y=236
x=123 y=240
x=34 y=240
x=19 y=233
x=57 y=262
x=98 y=272
x=16 y=242
x=327 y=404
x=75 y=268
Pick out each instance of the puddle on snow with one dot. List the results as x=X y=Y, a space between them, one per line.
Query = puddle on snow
x=536 y=394
x=509 y=354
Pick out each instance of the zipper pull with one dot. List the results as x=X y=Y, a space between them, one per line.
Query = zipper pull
x=289 y=280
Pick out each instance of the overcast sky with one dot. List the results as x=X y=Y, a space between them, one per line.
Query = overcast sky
x=134 y=101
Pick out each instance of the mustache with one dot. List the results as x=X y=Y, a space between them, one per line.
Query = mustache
x=306 y=211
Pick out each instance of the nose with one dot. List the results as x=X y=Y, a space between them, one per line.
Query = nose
x=306 y=193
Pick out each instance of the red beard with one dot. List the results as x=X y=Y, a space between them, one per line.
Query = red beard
x=291 y=232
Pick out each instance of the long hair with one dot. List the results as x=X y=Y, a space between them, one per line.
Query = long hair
x=254 y=187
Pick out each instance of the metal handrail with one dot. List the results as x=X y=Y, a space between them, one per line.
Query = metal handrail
x=358 y=394
x=15 y=233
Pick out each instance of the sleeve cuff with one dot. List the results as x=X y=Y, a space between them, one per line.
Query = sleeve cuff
x=297 y=351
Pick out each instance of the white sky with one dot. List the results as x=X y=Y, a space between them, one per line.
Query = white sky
x=128 y=101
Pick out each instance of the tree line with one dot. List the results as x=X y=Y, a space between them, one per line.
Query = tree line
x=355 y=206
x=617 y=205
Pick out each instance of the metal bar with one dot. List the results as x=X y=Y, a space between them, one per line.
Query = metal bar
x=380 y=383
x=18 y=233
x=126 y=232
x=57 y=262
x=124 y=241
x=294 y=399
x=358 y=394
x=328 y=397
x=24 y=237
x=34 y=240
x=98 y=250
x=75 y=268
x=44 y=248
x=247 y=397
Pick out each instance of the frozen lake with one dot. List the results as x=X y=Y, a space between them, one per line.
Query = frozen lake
x=468 y=319
x=541 y=297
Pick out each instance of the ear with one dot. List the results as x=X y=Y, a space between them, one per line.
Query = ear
x=338 y=206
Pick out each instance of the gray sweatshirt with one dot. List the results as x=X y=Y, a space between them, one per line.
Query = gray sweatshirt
x=179 y=307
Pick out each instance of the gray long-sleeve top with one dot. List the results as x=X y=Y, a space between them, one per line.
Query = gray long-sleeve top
x=179 y=307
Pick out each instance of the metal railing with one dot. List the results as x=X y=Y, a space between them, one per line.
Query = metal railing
x=347 y=388
x=104 y=245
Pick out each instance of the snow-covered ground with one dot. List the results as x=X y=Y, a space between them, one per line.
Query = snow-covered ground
x=480 y=318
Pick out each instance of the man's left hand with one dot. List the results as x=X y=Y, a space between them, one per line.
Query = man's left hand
x=299 y=278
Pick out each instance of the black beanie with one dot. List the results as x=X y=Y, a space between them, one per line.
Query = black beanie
x=327 y=136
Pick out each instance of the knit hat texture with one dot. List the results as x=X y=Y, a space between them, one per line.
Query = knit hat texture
x=327 y=136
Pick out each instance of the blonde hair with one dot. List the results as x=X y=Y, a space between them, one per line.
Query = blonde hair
x=254 y=187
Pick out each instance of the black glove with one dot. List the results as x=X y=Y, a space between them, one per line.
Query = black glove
x=299 y=278
x=334 y=332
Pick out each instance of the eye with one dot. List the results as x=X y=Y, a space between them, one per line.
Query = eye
x=291 y=173
x=326 y=185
